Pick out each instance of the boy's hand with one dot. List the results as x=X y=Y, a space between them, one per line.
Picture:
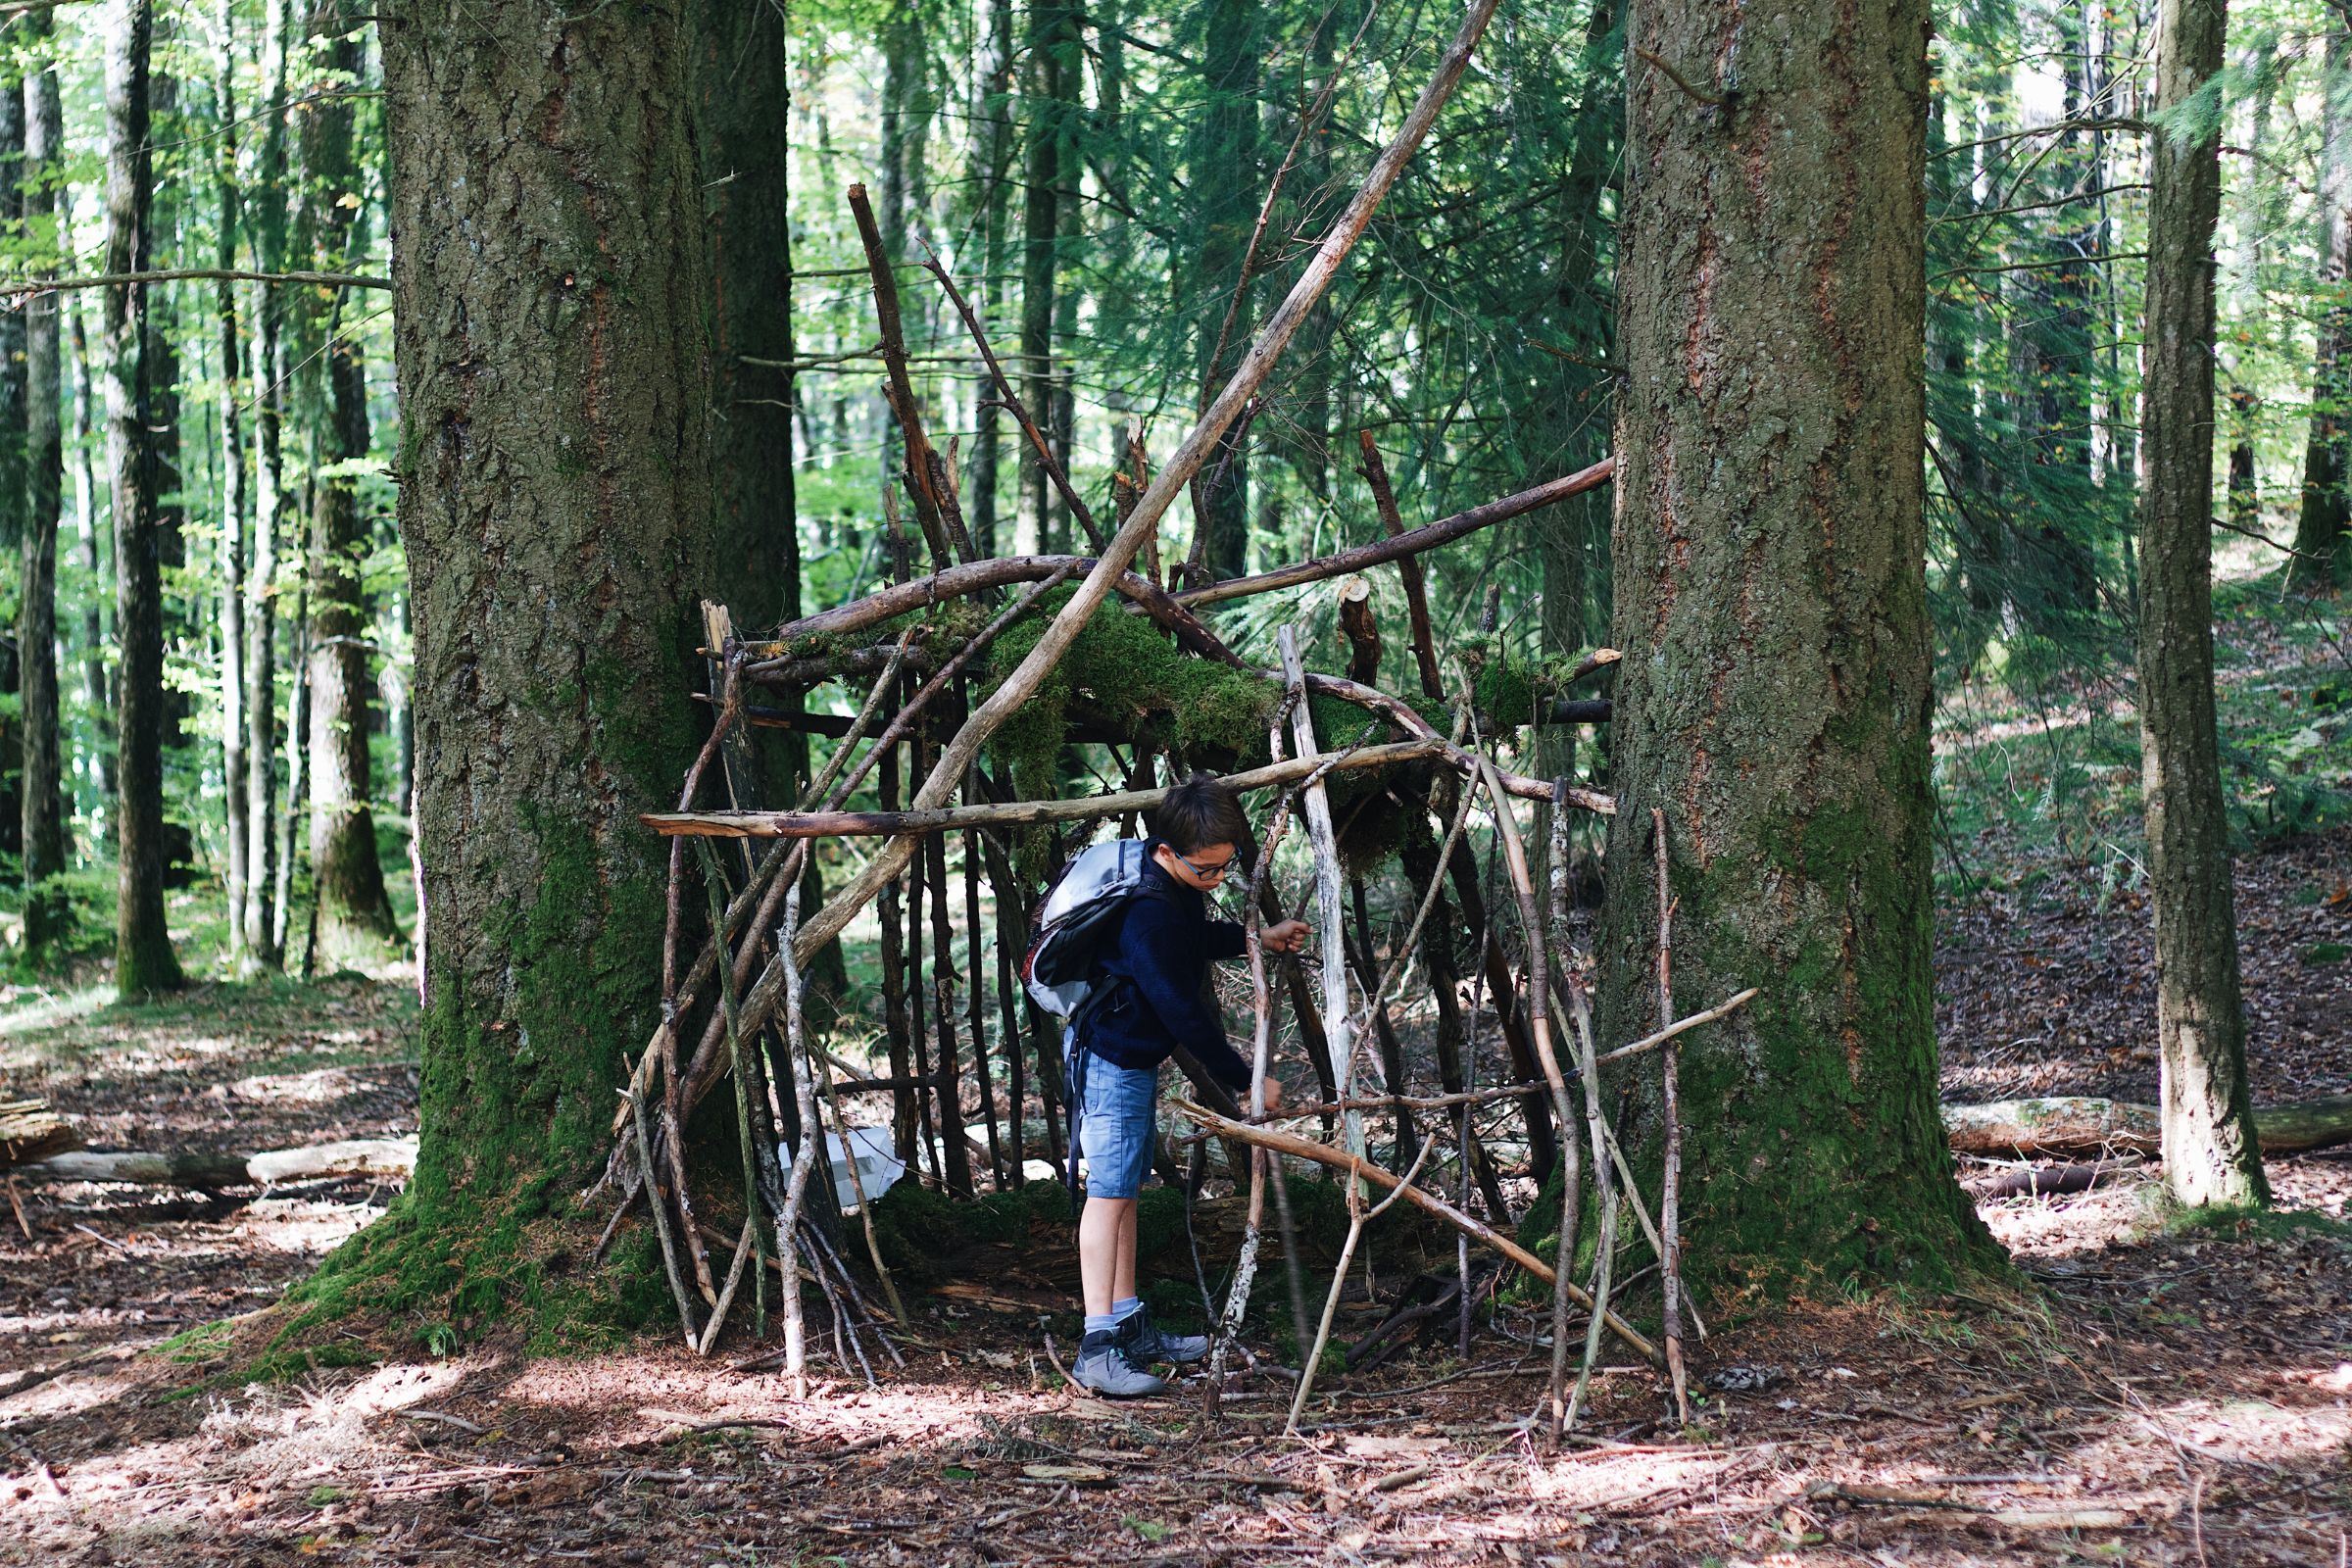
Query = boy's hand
x=1272 y=1088
x=1287 y=936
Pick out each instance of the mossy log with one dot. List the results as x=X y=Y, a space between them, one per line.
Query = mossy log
x=2067 y=1125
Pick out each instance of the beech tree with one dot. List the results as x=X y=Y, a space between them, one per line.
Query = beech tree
x=1771 y=605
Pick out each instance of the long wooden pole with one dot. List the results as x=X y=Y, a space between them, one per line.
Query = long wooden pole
x=1339 y=1034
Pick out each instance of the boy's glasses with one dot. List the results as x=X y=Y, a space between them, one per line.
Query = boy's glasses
x=1206 y=873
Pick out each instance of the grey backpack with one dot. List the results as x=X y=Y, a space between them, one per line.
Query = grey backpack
x=1080 y=911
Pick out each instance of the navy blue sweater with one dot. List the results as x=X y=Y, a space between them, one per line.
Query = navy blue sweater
x=1156 y=965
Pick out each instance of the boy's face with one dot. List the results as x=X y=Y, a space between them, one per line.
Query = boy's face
x=1203 y=869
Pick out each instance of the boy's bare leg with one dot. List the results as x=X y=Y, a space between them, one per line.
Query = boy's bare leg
x=1123 y=1280
x=1106 y=1253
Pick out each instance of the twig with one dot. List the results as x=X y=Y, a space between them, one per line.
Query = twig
x=745 y=1246
x=1711 y=100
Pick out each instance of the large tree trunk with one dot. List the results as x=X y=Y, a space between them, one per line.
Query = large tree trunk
x=354 y=916
x=2324 y=527
x=2210 y=1156
x=143 y=958
x=550 y=292
x=44 y=811
x=1770 y=597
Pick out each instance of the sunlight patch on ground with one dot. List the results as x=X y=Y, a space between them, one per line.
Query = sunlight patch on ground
x=2070 y=1226
x=2241 y=1431
x=49 y=1010
x=1602 y=1481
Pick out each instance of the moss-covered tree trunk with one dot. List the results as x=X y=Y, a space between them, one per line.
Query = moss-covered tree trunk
x=1771 y=600
x=143 y=958
x=550 y=290
x=354 y=914
x=2210 y=1151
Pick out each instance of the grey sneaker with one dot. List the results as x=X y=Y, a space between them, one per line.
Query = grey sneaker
x=1146 y=1342
x=1105 y=1366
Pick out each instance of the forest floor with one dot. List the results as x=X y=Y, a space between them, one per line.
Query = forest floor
x=2147 y=1394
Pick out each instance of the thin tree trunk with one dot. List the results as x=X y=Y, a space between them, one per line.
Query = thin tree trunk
x=1052 y=41
x=265 y=859
x=992 y=118
x=144 y=961
x=2323 y=527
x=45 y=815
x=2210 y=1153
x=232 y=489
x=351 y=911
x=1225 y=178
x=96 y=698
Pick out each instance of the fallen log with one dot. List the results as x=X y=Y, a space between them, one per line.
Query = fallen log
x=356 y=1156
x=29 y=1130
x=2072 y=1124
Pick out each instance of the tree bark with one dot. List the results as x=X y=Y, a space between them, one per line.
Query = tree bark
x=2210 y=1153
x=551 y=290
x=144 y=962
x=44 y=813
x=1771 y=596
x=2323 y=525
x=992 y=144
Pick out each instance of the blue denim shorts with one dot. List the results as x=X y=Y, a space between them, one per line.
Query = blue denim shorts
x=1117 y=1126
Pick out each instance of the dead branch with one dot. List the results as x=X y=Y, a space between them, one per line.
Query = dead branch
x=1012 y=400
x=1338 y=1039
x=1085 y=807
x=933 y=507
x=1408 y=568
x=1362 y=557
x=1670 y=1191
x=1358 y=1217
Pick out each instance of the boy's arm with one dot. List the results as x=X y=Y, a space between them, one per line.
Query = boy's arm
x=1151 y=931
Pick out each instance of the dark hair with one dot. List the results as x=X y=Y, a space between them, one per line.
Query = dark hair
x=1201 y=811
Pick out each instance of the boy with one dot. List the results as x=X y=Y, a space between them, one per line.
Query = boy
x=1154 y=966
